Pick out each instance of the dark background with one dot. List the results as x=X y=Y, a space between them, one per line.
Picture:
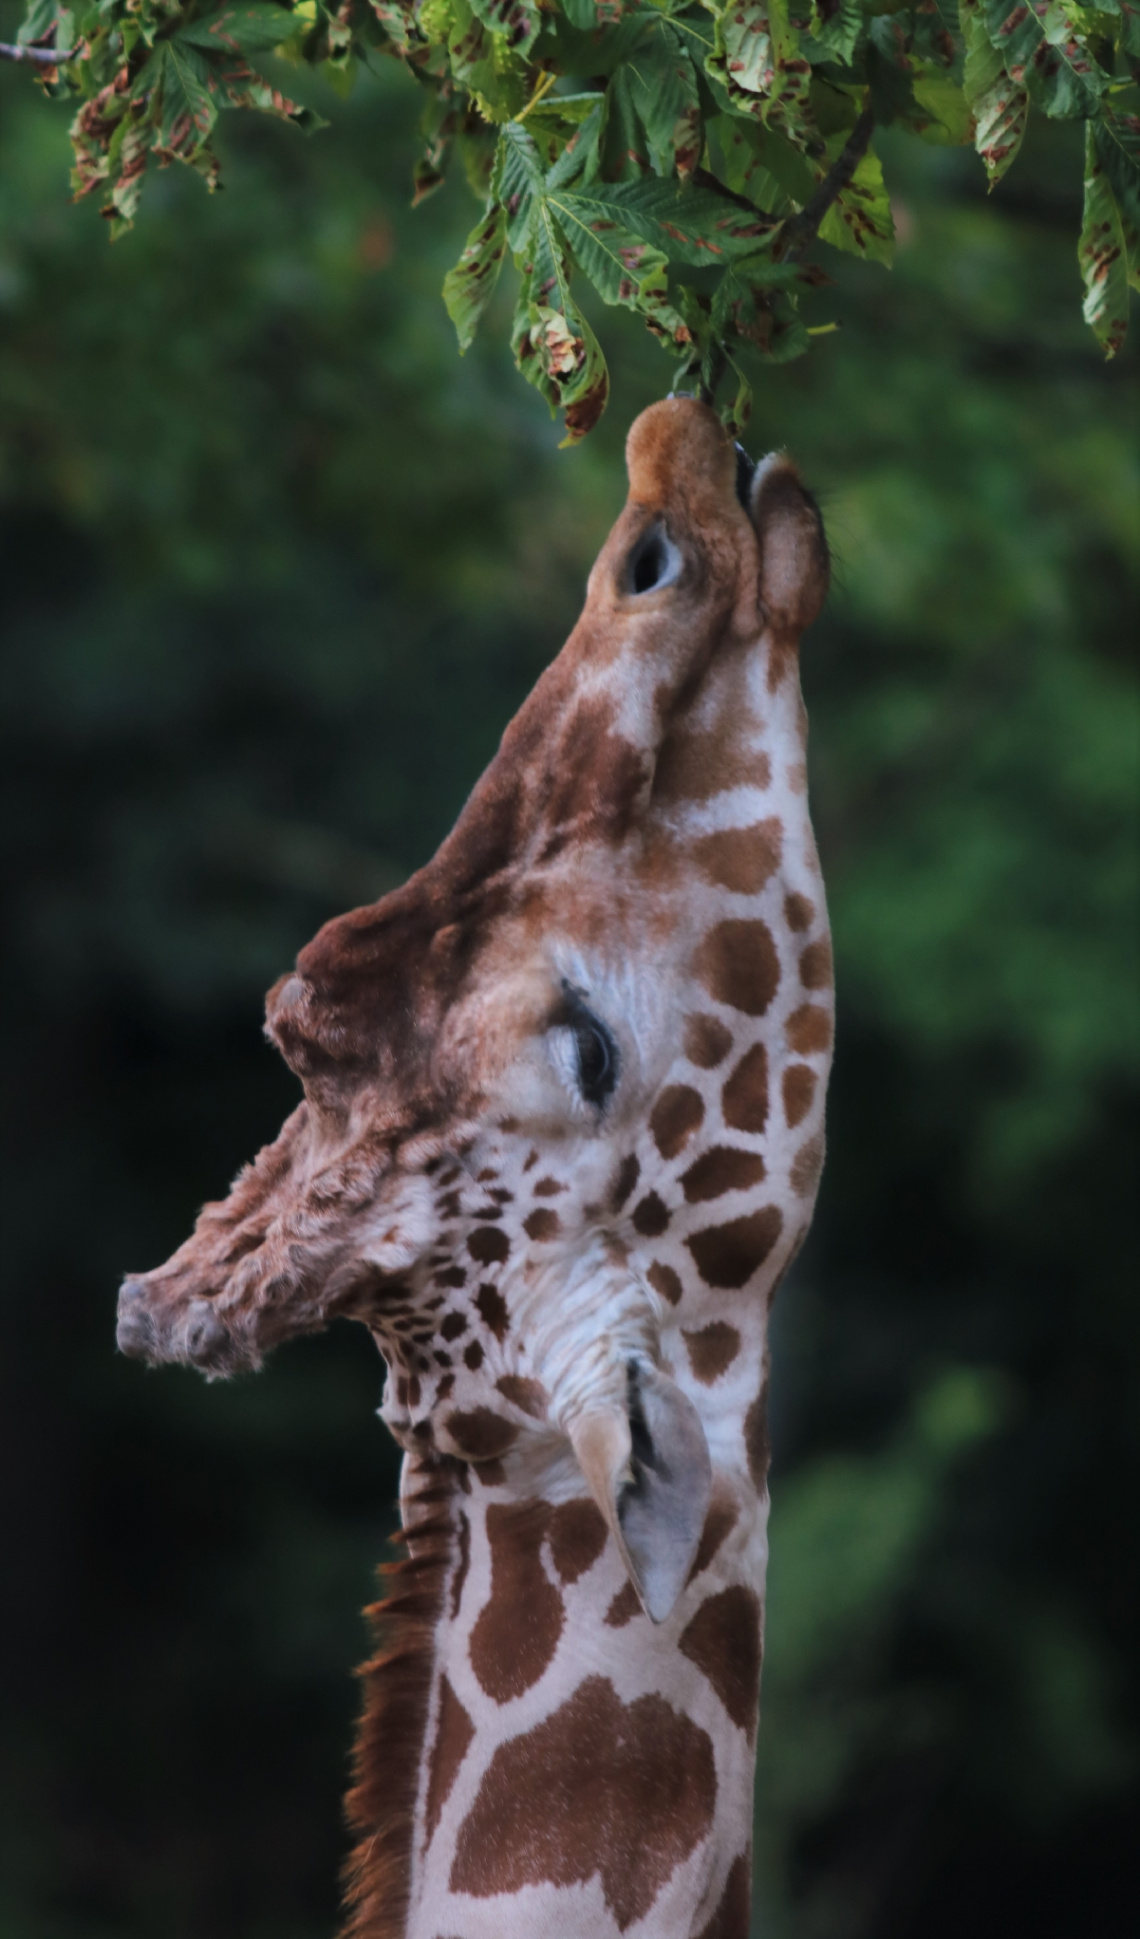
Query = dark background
x=275 y=569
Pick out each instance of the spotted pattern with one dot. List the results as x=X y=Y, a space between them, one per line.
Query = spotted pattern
x=677 y=1113
x=600 y=1787
x=720 y=1169
x=799 y=1082
x=712 y=1350
x=738 y=965
x=744 y=1098
x=723 y=1640
x=742 y=859
x=726 y=1256
x=651 y=1216
x=707 y=1041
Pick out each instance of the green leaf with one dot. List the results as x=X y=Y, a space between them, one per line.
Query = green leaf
x=859 y=220
x=468 y=288
x=581 y=13
x=689 y=224
x=582 y=154
x=188 y=107
x=952 y=123
x=836 y=26
x=754 y=303
x=439 y=124
x=762 y=67
x=621 y=266
x=1117 y=138
x=245 y=89
x=481 y=62
x=663 y=91
x=558 y=353
x=517 y=21
x=761 y=165
x=1041 y=52
x=1102 y=255
x=518 y=182
x=253 y=29
x=1000 y=106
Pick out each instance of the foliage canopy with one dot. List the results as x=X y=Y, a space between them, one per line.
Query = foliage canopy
x=682 y=159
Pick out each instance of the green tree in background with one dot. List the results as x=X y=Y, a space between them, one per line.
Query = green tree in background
x=276 y=568
x=681 y=160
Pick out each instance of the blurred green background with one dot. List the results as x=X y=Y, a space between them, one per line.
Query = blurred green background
x=276 y=568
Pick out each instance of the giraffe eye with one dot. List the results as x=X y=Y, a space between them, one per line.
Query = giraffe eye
x=654 y=563
x=595 y=1059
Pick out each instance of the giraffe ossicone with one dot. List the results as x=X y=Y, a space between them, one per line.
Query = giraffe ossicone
x=561 y=1136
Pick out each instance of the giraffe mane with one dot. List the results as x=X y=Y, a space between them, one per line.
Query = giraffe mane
x=397 y=1679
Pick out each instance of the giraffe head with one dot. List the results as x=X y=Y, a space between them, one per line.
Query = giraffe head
x=561 y=1090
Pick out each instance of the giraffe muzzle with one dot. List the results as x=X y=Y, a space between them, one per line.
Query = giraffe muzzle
x=192 y=1334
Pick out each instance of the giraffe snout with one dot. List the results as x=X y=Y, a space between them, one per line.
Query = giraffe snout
x=191 y=1333
x=134 y=1332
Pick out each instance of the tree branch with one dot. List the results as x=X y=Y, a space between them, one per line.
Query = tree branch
x=36 y=56
x=800 y=230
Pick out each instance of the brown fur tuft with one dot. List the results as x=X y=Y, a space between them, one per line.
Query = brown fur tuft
x=397 y=1690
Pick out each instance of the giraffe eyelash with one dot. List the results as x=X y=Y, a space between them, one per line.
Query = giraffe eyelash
x=585 y=1051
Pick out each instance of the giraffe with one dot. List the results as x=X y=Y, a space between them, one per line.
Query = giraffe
x=561 y=1136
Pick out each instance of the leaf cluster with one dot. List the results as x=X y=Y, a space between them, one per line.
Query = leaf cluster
x=680 y=159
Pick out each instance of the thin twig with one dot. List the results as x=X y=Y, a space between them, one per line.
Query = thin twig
x=36 y=56
x=704 y=178
x=800 y=230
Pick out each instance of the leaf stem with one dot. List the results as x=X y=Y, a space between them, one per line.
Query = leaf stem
x=36 y=56
x=545 y=83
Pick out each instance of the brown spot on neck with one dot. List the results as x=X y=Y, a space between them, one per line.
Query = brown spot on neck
x=723 y=1640
x=712 y=1350
x=744 y=1099
x=517 y=1630
x=707 y=1041
x=741 y=859
x=693 y=766
x=799 y=1090
x=809 y=1029
x=454 y=1732
x=738 y=965
x=621 y=1791
x=577 y=1538
x=493 y=1310
x=480 y=1434
x=666 y=1282
x=720 y=1169
x=733 y=1916
x=726 y=1256
x=719 y=1522
x=677 y=1113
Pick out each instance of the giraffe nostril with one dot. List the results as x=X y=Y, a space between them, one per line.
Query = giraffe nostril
x=204 y=1336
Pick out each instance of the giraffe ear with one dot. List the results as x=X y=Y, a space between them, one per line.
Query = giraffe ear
x=648 y=1469
x=794 y=562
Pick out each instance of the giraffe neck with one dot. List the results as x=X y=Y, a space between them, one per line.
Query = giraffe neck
x=578 y=1769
